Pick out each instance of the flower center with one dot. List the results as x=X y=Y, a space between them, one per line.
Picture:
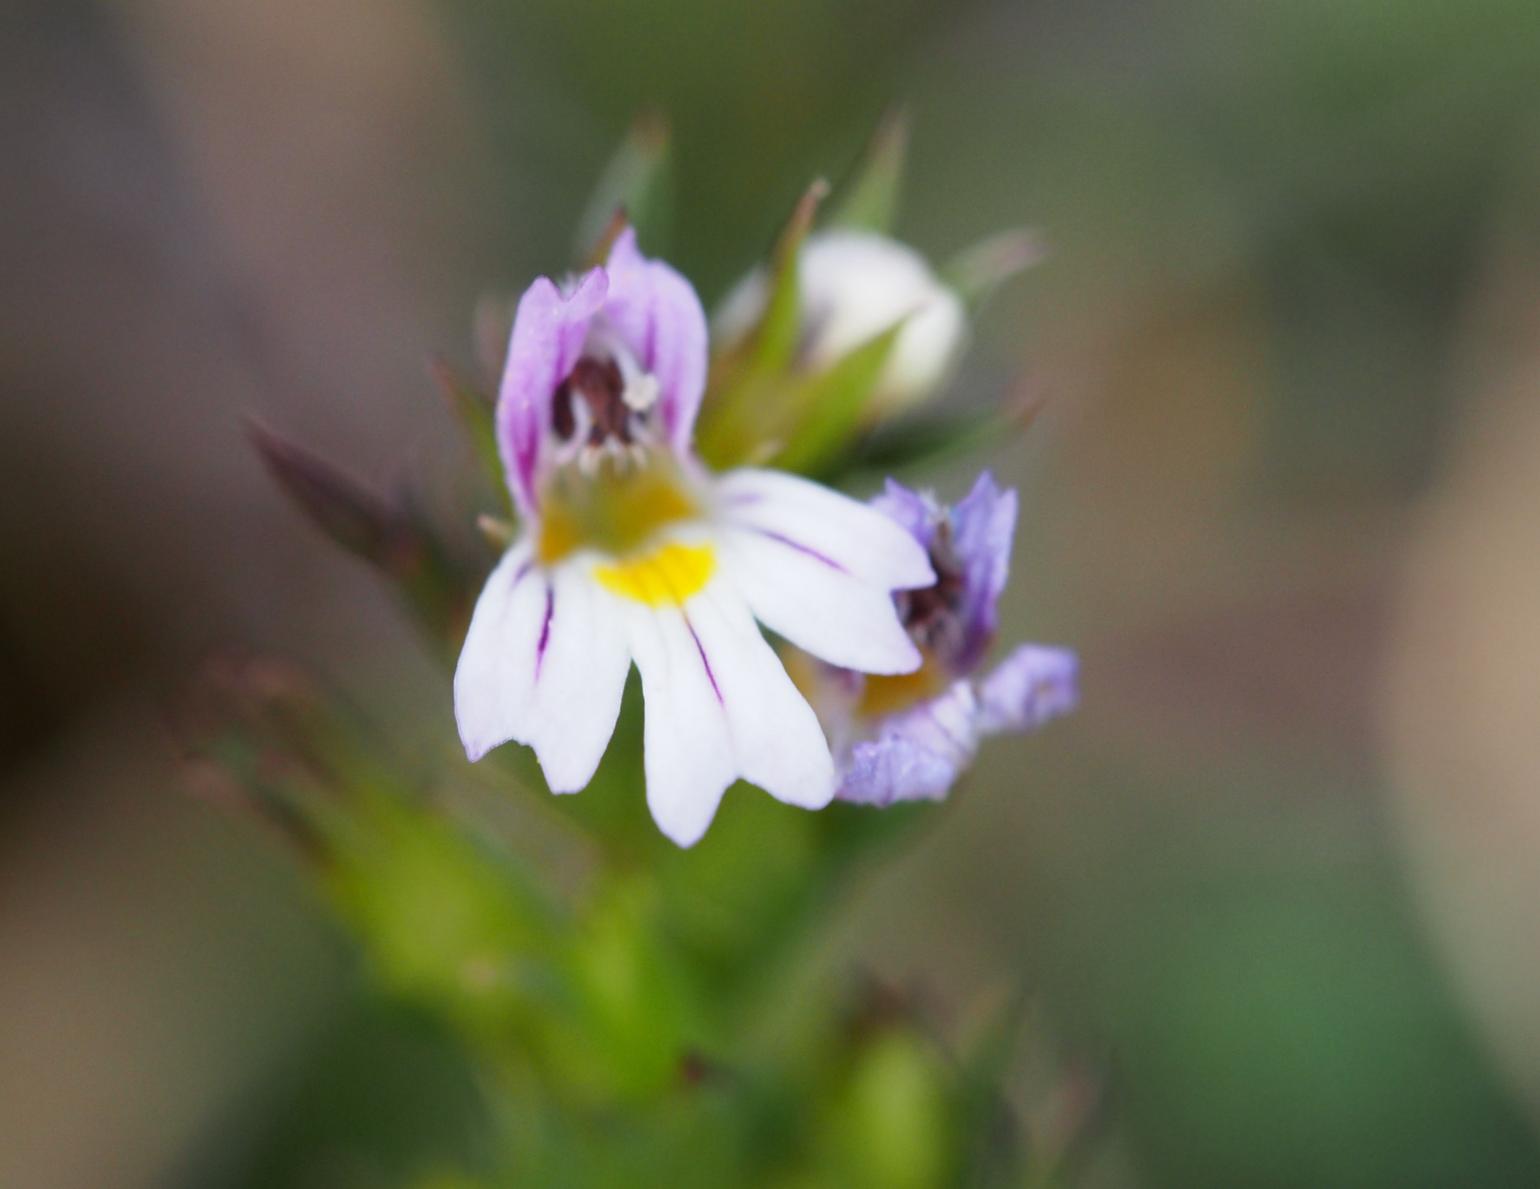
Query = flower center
x=612 y=486
x=933 y=615
x=602 y=412
x=617 y=508
x=596 y=389
x=934 y=618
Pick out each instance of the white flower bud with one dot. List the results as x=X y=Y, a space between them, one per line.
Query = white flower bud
x=854 y=286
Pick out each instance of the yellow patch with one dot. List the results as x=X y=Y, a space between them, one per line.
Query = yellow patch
x=615 y=511
x=883 y=695
x=665 y=577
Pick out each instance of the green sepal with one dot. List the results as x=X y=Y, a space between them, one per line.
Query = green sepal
x=869 y=200
x=773 y=342
x=746 y=403
x=636 y=186
x=832 y=404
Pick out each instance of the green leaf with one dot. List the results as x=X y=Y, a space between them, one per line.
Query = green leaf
x=351 y=514
x=392 y=534
x=636 y=186
x=869 y=200
x=833 y=404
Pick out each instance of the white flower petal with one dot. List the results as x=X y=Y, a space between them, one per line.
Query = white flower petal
x=493 y=682
x=777 y=742
x=688 y=756
x=580 y=676
x=821 y=523
x=817 y=605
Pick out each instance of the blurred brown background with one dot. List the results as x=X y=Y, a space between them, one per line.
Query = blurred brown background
x=1278 y=874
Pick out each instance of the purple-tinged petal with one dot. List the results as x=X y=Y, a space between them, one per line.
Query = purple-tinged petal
x=1034 y=684
x=659 y=317
x=917 y=511
x=548 y=333
x=982 y=526
x=917 y=755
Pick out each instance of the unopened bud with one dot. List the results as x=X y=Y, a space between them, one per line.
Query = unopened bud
x=854 y=286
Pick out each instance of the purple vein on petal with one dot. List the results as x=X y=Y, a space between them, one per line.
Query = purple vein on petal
x=792 y=543
x=705 y=661
x=545 y=628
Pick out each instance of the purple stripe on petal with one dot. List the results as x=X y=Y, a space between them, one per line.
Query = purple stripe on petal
x=518 y=576
x=791 y=543
x=705 y=661
x=545 y=627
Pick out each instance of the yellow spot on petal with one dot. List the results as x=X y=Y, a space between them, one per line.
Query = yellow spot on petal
x=883 y=695
x=665 y=577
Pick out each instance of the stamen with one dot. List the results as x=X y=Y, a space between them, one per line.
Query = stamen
x=933 y=614
x=599 y=385
x=641 y=393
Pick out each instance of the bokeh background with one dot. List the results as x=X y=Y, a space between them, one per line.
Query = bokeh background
x=1276 y=879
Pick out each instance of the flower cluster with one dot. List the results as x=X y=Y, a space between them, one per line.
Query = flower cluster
x=631 y=550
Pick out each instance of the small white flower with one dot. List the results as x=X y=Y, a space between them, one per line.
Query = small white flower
x=631 y=551
x=854 y=285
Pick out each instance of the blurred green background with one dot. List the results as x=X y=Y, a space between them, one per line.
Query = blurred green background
x=1275 y=881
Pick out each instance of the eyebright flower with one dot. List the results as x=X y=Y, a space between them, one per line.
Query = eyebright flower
x=631 y=551
x=909 y=737
x=854 y=286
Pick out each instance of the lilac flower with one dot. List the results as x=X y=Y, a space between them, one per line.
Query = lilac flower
x=910 y=737
x=631 y=551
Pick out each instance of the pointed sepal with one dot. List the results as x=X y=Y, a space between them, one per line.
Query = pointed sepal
x=978 y=272
x=869 y=200
x=636 y=186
